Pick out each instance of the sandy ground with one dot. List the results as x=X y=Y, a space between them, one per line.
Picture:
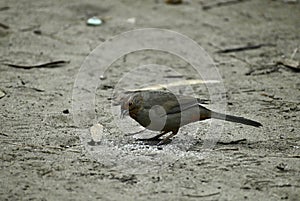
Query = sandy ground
x=43 y=157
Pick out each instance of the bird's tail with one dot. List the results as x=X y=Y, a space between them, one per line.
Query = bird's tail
x=231 y=118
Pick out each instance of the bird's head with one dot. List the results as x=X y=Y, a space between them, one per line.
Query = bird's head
x=132 y=105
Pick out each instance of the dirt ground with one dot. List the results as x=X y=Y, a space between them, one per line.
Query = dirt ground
x=45 y=156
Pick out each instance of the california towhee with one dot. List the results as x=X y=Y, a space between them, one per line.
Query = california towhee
x=166 y=112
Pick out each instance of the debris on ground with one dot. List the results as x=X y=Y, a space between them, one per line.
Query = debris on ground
x=94 y=21
x=52 y=64
x=244 y=48
x=2 y=94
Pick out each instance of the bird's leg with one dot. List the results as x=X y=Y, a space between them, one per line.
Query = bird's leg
x=155 y=138
x=165 y=140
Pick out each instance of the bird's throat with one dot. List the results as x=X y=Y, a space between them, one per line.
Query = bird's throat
x=141 y=116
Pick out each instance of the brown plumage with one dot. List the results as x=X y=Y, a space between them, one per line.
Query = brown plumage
x=166 y=112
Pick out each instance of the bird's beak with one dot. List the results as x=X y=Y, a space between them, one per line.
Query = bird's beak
x=124 y=113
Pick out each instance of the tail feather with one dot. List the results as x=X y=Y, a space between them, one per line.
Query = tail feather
x=236 y=119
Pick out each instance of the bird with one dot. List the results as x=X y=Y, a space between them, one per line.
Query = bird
x=166 y=112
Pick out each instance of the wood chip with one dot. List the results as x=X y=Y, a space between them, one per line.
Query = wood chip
x=2 y=94
x=222 y=3
x=290 y=63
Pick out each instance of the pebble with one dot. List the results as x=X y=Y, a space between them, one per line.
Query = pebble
x=66 y=111
x=97 y=132
x=94 y=21
x=102 y=77
x=131 y=20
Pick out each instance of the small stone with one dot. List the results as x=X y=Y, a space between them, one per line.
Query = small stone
x=106 y=87
x=94 y=21
x=37 y=32
x=282 y=166
x=131 y=20
x=66 y=111
x=173 y=1
x=96 y=132
x=102 y=77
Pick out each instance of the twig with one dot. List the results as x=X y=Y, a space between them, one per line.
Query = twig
x=201 y=196
x=283 y=156
x=52 y=64
x=222 y=3
x=247 y=91
x=4 y=134
x=4 y=8
x=250 y=71
x=290 y=63
x=228 y=149
x=32 y=88
x=293 y=156
x=270 y=96
x=173 y=76
x=46 y=172
x=281 y=185
x=241 y=59
x=4 y=26
x=294 y=53
x=244 y=48
x=233 y=141
x=268 y=69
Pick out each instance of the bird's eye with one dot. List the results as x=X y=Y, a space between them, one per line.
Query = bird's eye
x=130 y=103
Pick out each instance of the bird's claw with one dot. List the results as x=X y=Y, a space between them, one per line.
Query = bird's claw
x=164 y=141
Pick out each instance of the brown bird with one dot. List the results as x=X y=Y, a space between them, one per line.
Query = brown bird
x=163 y=111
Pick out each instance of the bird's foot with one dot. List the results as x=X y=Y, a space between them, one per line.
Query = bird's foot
x=153 y=140
x=156 y=138
x=149 y=141
x=167 y=139
x=164 y=142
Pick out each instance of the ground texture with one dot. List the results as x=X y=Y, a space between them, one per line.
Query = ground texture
x=42 y=155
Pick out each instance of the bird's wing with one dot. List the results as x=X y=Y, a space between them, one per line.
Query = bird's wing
x=170 y=102
x=181 y=104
